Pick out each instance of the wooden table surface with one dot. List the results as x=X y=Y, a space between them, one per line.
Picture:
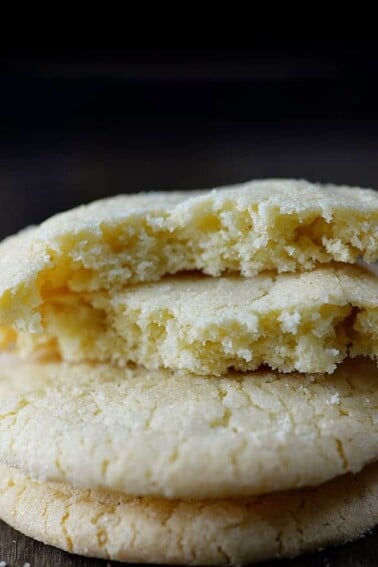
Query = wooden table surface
x=16 y=550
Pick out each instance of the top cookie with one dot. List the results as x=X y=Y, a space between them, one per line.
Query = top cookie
x=284 y=225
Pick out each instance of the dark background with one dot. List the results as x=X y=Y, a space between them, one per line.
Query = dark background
x=80 y=124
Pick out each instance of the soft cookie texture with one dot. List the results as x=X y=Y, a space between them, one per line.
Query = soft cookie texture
x=221 y=532
x=282 y=225
x=155 y=433
x=307 y=322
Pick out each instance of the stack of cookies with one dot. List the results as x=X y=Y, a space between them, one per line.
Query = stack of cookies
x=191 y=377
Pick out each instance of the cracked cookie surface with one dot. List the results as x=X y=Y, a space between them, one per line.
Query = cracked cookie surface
x=221 y=532
x=159 y=434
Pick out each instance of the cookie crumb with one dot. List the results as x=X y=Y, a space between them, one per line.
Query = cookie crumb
x=3 y=564
x=334 y=399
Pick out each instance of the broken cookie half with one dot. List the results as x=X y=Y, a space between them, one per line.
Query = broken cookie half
x=280 y=225
x=307 y=322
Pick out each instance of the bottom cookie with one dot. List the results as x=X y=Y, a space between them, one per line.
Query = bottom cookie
x=145 y=530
